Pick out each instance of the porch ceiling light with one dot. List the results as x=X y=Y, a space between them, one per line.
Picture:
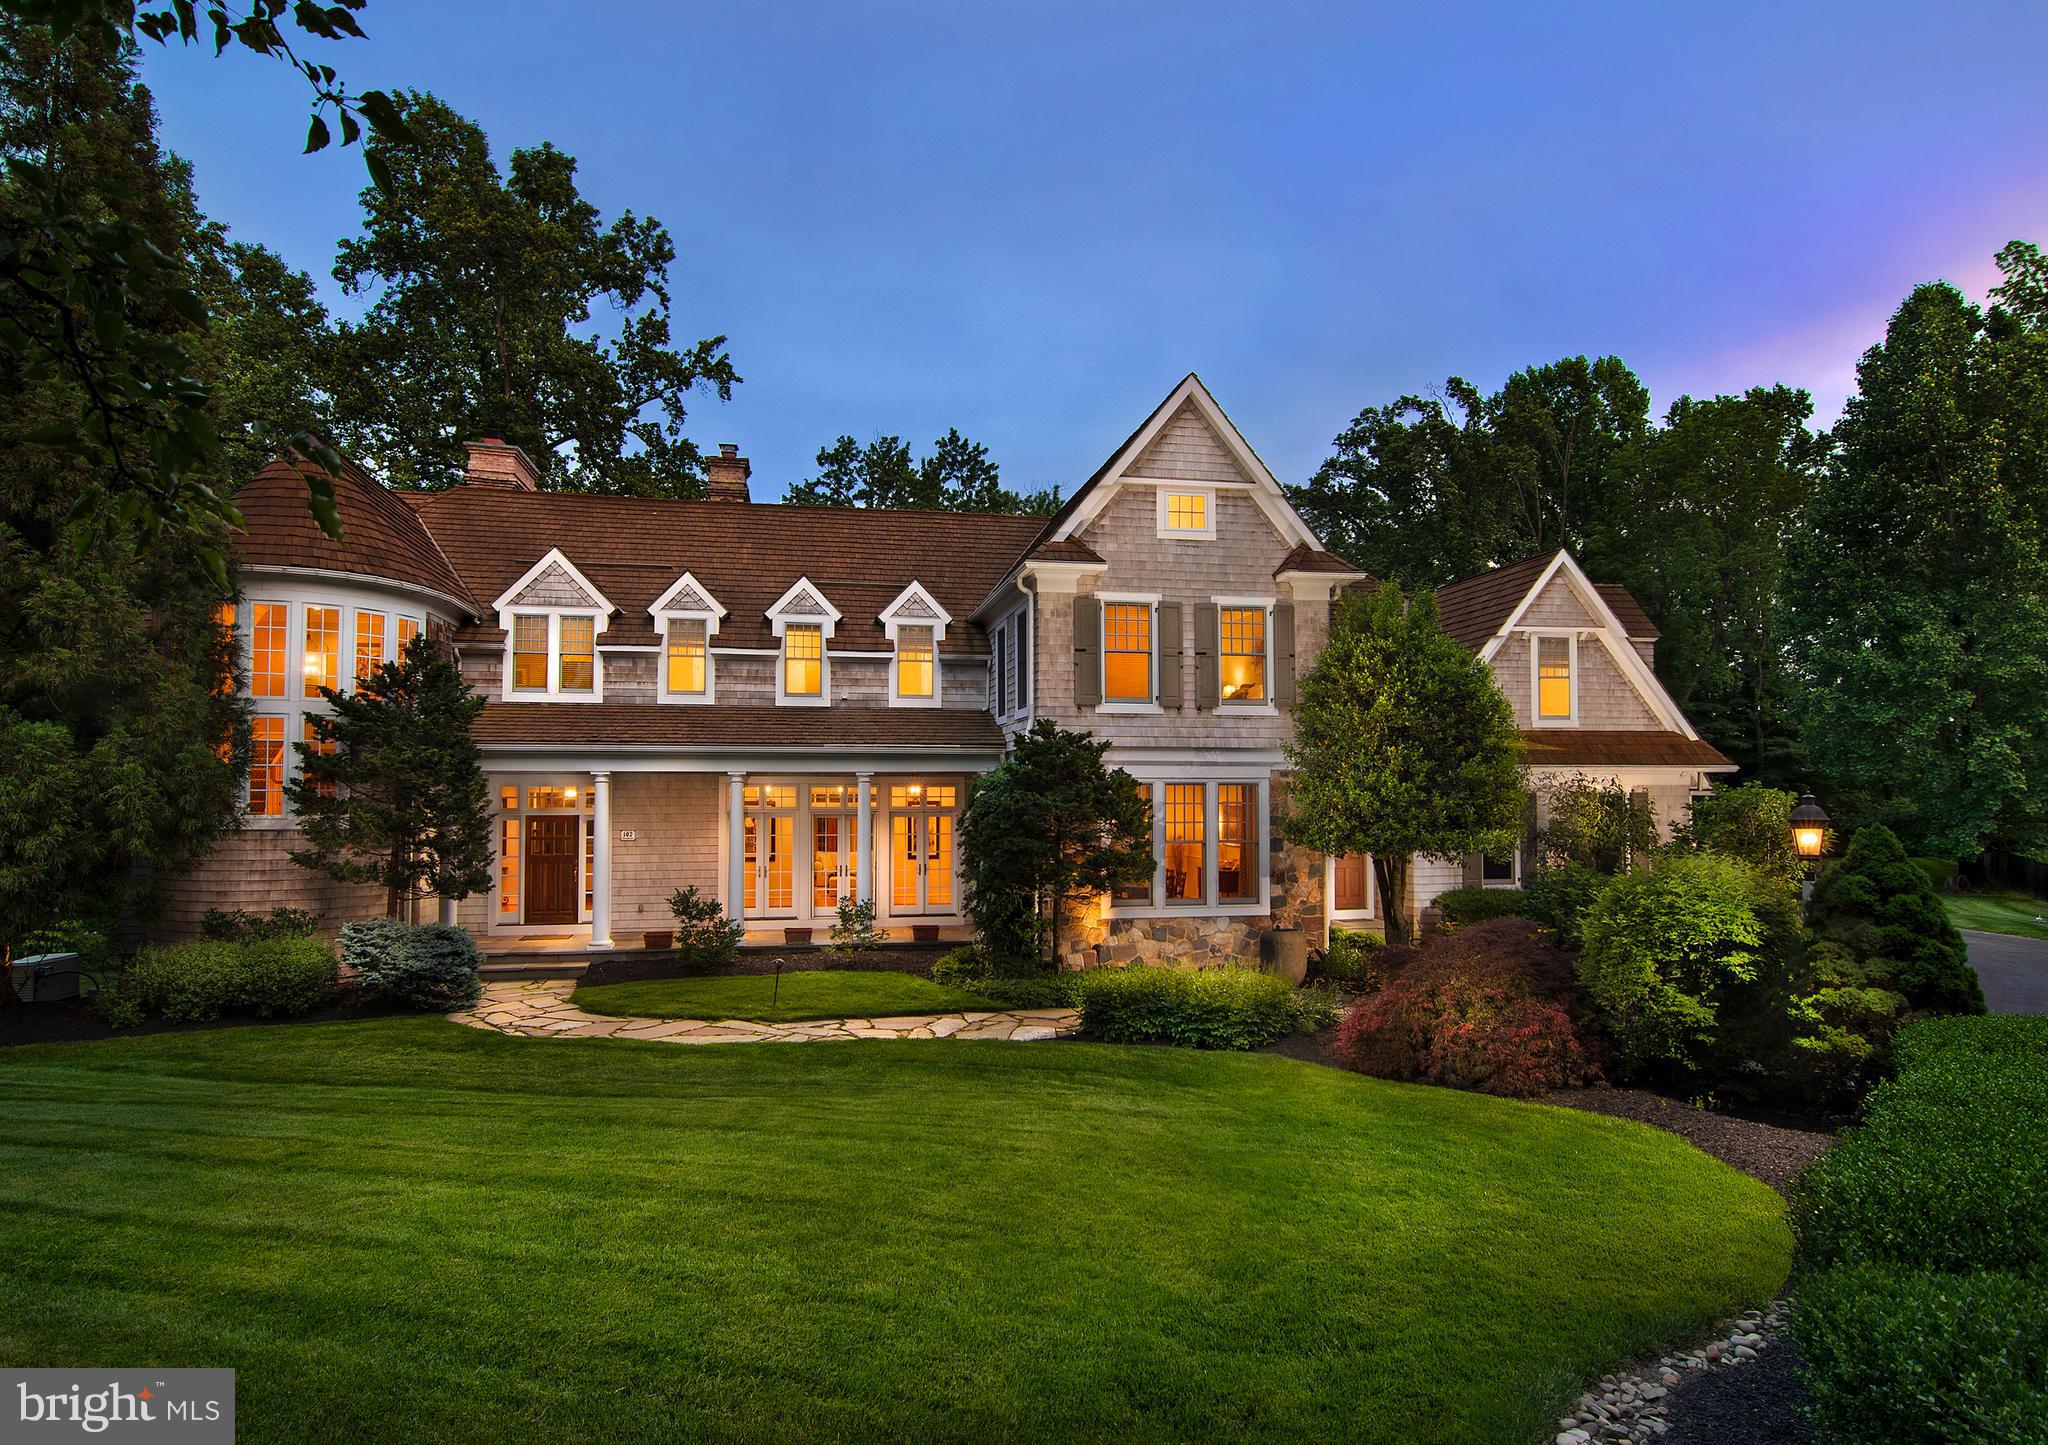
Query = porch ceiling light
x=1809 y=828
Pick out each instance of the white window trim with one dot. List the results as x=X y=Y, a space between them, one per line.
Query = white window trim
x=779 y=622
x=553 y=691
x=1514 y=878
x=1536 y=717
x=1212 y=813
x=896 y=697
x=893 y=623
x=1372 y=893
x=582 y=783
x=1265 y=707
x=663 y=612
x=1128 y=705
x=1207 y=492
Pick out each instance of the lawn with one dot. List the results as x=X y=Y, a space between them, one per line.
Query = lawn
x=1998 y=911
x=403 y=1229
x=827 y=994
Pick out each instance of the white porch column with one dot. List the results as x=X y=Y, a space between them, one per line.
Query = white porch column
x=601 y=860
x=864 y=838
x=736 y=845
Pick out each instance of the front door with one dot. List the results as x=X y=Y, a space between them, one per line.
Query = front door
x=553 y=848
x=921 y=863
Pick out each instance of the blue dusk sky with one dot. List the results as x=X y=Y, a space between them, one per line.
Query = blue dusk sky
x=1030 y=220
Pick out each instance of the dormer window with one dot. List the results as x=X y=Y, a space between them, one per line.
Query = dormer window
x=552 y=617
x=688 y=654
x=803 y=660
x=578 y=654
x=914 y=662
x=1187 y=511
x=530 y=653
x=1555 y=702
x=915 y=623
x=686 y=617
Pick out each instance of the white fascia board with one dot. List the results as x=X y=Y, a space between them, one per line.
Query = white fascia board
x=554 y=557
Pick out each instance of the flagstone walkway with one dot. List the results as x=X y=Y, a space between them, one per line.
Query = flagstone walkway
x=543 y=1009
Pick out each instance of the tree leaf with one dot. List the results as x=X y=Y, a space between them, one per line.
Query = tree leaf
x=316 y=136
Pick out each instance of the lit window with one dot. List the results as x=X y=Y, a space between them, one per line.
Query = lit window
x=803 y=660
x=508 y=867
x=1186 y=843
x=1127 y=652
x=1554 y=677
x=923 y=795
x=1243 y=654
x=266 y=649
x=310 y=736
x=1237 y=853
x=774 y=795
x=408 y=629
x=323 y=649
x=914 y=662
x=266 y=767
x=1141 y=891
x=1187 y=512
x=686 y=656
x=578 y=668
x=589 y=850
x=369 y=642
x=224 y=619
x=530 y=653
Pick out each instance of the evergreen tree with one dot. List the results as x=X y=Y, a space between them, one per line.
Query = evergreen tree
x=392 y=790
x=1403 y=744
x=1875 y=918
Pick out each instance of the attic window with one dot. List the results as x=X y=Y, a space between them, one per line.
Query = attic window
x=1554 y=679
x=1186 y=512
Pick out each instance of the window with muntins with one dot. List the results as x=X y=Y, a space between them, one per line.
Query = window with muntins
x=407 y=631
x=369 y=642
x=914 y=662
x=266 y=767
x=1187 y=512
x=1237 y=852
x=322 y=660
x=1187 y=859
x=803 y=660
x=1139 y=892
x=1242 y=653
x=268 y=639
x=687 y=656
x=1127 y=652
x=579 y=660
x=530 y=653
x=1553 y=677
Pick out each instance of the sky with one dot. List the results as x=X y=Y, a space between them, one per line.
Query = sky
x=1030 y=220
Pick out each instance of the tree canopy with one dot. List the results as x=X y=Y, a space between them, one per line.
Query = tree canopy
x=957 y=476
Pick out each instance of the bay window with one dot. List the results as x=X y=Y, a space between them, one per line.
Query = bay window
x=322 y=658
x=1186 y=853
x=1139 y=892
x=1209 y=842
x=1237 y=849
x=1127 y=652
x=369 y=642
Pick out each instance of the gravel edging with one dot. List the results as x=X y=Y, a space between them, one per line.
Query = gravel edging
x=1638 y=1408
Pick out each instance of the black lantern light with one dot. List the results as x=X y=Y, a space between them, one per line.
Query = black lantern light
x=1809 y=829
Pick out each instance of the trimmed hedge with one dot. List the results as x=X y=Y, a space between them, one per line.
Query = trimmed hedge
x=1462 y=907
x=1924 y=1314
x=1199 y=1008
x=195 y=982
x=424 y=965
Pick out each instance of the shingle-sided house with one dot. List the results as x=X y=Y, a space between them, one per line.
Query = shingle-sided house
x=783 y=705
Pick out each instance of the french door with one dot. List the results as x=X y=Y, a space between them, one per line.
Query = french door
x=770 y=876
x=835 y=861
x=920 y=863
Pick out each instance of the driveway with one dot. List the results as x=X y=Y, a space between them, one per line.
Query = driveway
x=2014 y=971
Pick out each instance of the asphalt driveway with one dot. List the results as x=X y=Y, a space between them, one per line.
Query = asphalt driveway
x=2014 y=971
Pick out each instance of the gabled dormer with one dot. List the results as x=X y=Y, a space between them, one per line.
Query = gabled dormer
x=915 y=624
x=686 y=618
x=552 y=617
x=803 y=620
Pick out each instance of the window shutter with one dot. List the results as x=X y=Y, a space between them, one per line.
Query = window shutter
x=1283 y=653
x=1208 y=687
x=995 y=673
x=1169 y=654
x=1087 y=652
x=1475 y=871
x=1020 y=655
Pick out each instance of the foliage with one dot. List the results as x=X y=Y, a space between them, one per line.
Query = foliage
x=1049 y=828
x=956 y=477
x=1664 y=949
x=1493 y=1008
x=998 y=978
x=854 y=933
x=1875 y=911
x=238 y=925
x=1352 y=958
x=705 y=935
x=1559 y=898
x=1921 y=602
x=392 y=789
x=1192 y=1008
x=193 y=982
x=1924 y=1247
x=423 y=965
x=1752 y=823
x=484 y=284
x=1596 y=823
x=1403 y=744
x=1941 y=872
x=1461 y=906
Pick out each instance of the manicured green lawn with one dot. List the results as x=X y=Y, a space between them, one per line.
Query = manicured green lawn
x=828 y=994
x=2004 y=911
x=403 y=1229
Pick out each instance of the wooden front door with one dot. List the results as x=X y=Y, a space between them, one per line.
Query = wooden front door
x=553 y=848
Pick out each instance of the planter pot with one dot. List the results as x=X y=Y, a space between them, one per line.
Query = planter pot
x=796 y=935
x=659 y=938
x=1284 y=951
x=924 y=932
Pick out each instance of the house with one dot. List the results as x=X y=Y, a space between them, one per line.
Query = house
x=783 y=706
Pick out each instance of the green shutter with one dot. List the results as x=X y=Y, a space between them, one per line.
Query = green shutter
x=1087 y=652
x=1208 y=685
x=1283 y=654
x=1169 y=654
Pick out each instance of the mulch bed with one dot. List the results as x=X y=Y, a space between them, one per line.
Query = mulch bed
x=71 y=1021
x=1770 y=1147
x=1755 y=1405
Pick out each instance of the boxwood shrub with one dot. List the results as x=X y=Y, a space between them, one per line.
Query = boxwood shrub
x=423 y=965
x=1462 y=907
x=1198 y=1008
x=193 y=982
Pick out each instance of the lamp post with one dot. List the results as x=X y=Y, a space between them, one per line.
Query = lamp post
x=1809 y=838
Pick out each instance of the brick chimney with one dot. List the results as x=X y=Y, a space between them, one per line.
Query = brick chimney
x=495 y=462
x=726 y=475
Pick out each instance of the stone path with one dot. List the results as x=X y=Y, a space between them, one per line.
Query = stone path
x=542 y=1009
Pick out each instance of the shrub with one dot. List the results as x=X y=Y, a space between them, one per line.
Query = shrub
x=1039 y=990
x=425 y=965
x=1351 y=958
x=1596 y=823
x=1200 y=1008
x=193 y=982
x=97 y=960
x=1878 y=907
x=855 y=932
x=963 y=967
x=1462 y=907
x=1752 y=824
x=241 y=926
x=1941 y=872
x=1490 y=1008
x=704 y=935
x=1665 y=949
x=1558 y=899
x=1904 y=1355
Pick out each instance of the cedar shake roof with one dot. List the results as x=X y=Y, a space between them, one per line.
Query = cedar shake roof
x=1592 y=748
x=380 y=535
x=1068 y=549
x=669 y=725
x=1473 y=609
x=746 y=555
x=1305 y=558
x=1622 y=603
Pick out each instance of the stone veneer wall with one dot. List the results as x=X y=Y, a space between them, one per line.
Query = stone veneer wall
x=252 y=870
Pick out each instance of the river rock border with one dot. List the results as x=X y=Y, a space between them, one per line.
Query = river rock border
x=1635 y=1408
